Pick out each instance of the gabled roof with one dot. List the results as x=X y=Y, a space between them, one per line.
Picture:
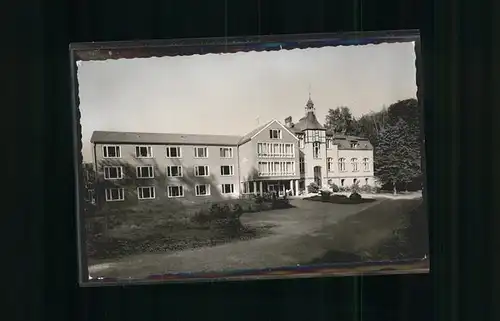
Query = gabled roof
x=308 y=122
x=249 y=136
x=259 y=129
x=157 y=138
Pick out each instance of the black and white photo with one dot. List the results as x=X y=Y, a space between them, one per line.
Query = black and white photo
x=251 y=160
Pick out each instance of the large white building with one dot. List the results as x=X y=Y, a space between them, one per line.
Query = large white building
x=327 y=157
x=274 y=157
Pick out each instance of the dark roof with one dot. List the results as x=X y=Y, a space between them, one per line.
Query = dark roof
x=344 y=142
x=156 y=138
x=308 y=122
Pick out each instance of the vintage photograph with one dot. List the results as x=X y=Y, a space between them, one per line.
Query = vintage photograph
x=251 y=160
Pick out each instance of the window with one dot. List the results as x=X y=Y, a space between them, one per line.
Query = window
x=354 y=163
x=174 y=171
x=281 y=150
x=341 y=164
x=226 y=152
x=175 y=191
x=227 y=188
x=276 y=168
x=111 y=151
x=200 y=152
x=355 y=181
x=354 y=144
x=275 y=134
x=316 y=150
x=114 y=194
x=302 y=165
x=201 y=170
x=227 y=170
x=301 y=141
x=366 y=181
x=249 y=187
x=366 y=165
x=342 y=181
x=202 y=190
x=90 y=196
x=329 y=143
x=173 y=152
x=330 y=164
x=315 y=136
x=113 y=172
x=146 y=192
x=145 y=172
x=143 y=151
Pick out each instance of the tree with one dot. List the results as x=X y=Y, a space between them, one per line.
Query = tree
x=407 y=110
x=371 y=124
x=340 y=120
x=88 y=175
x=397 y=154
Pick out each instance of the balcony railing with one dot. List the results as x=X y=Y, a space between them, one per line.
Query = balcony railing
x=275 y=174
x=276 y=155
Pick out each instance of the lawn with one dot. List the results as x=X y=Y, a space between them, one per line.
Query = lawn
x=170 y=226
x=391 y=230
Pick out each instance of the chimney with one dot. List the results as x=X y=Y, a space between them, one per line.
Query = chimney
x=288 y=122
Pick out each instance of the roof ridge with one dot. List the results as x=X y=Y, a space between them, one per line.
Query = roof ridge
x=162 y=133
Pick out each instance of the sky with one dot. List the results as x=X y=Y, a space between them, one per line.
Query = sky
x=231 y=94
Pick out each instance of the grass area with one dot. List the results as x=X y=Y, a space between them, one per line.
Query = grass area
x=410 y=239
x=339 y=199
x=391 y=230
x=169 y=226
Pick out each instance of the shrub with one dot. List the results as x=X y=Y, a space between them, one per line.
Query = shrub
x=325 y=195
x=343 y=189
x=355 y=188
x=366 y=189
x=313 y=188
x=219 y=214
x=355 y=196
x=334 y=188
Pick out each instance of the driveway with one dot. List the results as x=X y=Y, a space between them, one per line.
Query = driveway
x=285 y=247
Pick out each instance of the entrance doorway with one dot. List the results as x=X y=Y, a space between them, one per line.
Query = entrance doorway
x=279 y=189
x=317 y=175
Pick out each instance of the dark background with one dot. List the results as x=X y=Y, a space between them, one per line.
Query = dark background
x=461 y=71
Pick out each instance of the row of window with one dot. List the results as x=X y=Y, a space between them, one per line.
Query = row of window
x=263 y=150
x=317 y=140
x=114 y=151
x=341 y=165
x=116 y=172
x=172 y=191
x=282 y=150
x=354 y=164
x=276 y=168
x=344 y=182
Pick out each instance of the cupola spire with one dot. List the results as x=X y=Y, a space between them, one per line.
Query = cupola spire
x=309 y=104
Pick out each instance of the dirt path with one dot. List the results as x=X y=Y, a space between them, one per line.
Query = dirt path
x=301 y=234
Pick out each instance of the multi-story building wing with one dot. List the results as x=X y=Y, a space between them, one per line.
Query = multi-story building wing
x=268 y=160
x=143 y=166
x=274 y=157
x=327 y=157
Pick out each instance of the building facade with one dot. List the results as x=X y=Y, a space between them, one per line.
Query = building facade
x=275 y=157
